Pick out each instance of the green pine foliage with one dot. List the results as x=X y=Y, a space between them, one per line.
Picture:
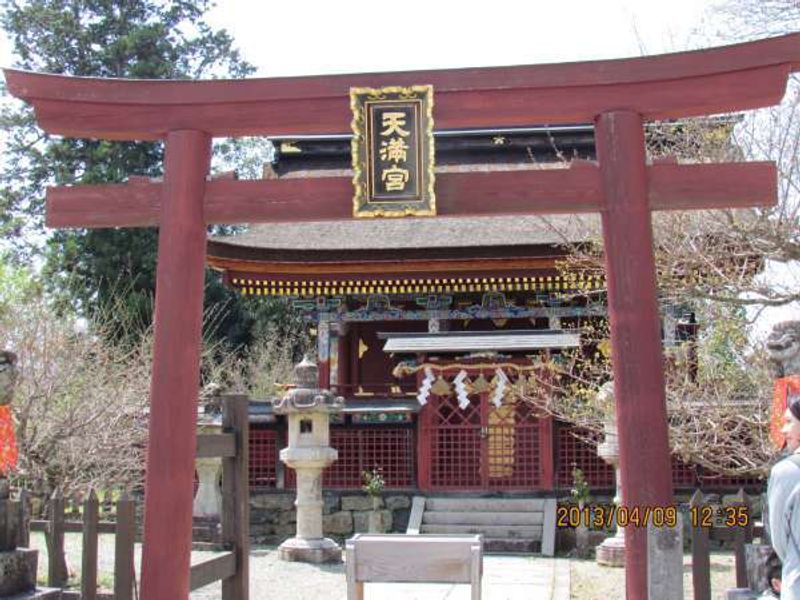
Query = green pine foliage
x=87 y=270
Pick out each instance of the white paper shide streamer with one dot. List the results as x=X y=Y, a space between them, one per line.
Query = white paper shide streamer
x=500 y=389
x=425 y=388
x=461 y=389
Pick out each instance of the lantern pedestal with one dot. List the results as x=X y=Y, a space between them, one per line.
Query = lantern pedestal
x=307 y=411
x=319 y=550
x=611 y=552
x=207 y=504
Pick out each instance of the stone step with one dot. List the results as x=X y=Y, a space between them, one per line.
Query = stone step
x=489 y=531
x=484 y=504
x=523 y=545
x=482 y=518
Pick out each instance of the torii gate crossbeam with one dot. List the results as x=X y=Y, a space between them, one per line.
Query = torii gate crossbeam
x=619 y=96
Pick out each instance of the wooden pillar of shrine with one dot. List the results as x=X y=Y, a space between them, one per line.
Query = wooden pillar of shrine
x=424 y=417
x=546 y=453
x=342 y=357
x=176 y=368
x=323 y=353
x=547 y=460
x=636 y=351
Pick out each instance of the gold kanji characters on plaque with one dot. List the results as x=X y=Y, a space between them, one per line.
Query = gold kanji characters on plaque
x=394 y=178
x=394 y=151
x=394 y=123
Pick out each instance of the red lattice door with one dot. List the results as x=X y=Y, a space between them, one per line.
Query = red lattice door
x=482 y=447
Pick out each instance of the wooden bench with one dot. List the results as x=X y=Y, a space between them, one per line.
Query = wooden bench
x=400 y=558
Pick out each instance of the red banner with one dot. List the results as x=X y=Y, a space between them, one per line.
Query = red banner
x=783 y=388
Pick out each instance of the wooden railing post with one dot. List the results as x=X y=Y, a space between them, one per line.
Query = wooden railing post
x=701 y=561
x=24 y=520
x=739 y=540
x=124 y=575
x=236 y=497
x=54 y=537
x=89 y=551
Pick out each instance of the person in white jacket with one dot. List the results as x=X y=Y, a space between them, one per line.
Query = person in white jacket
x=783 y=496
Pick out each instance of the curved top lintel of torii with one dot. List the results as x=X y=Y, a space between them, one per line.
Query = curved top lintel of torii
x=715 y=80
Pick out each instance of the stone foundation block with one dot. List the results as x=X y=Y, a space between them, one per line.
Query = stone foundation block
x=272 y=502
x=17 y=571
x=285 y=531
x=286 y=517
x=400 y=520
x=361 y=521
x=339 y=523
x=359 y=502
x=330 y=504
x=398 y=502
x=259 y=516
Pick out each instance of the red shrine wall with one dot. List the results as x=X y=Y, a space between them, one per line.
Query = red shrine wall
x=369 y=367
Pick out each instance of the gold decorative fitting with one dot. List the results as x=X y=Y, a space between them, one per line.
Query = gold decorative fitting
x=409 y=286
x=290 y=148
x=441 y=387
x=362 y=348
x=480 y=385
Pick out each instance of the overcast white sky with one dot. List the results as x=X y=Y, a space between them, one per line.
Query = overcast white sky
x=300 y=38
x=339 y=36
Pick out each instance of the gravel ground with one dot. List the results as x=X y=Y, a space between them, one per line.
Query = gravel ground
x=300 y=581
x=273 y=578
x=591 y=581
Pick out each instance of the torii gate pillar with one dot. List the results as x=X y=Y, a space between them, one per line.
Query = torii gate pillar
x=636 y=354
x=176 y=367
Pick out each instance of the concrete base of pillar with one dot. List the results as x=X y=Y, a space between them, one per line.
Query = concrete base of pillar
x=320 y=550
x=18 y=571
x=611 y=553
x=665 y=562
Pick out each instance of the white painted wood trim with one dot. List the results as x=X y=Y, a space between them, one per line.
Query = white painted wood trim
x=415 y=519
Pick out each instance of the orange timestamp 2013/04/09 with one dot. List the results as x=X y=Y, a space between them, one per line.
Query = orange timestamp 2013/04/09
x=605 y=515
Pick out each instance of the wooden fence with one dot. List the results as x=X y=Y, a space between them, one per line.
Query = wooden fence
x=231 y=566
x=701 y=537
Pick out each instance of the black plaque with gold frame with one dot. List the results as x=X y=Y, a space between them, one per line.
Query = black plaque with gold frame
x=393 y=151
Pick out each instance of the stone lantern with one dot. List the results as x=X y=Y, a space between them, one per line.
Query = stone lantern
x=207 y=505
x=307 y=409
x=612 y=551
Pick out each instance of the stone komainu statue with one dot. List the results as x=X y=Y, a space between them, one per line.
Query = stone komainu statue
x=783 y=347
x=8 y=376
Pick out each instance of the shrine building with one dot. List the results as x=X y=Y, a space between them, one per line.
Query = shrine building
x=425 y=325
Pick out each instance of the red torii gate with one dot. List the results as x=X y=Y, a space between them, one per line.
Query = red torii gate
x=618 y=96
